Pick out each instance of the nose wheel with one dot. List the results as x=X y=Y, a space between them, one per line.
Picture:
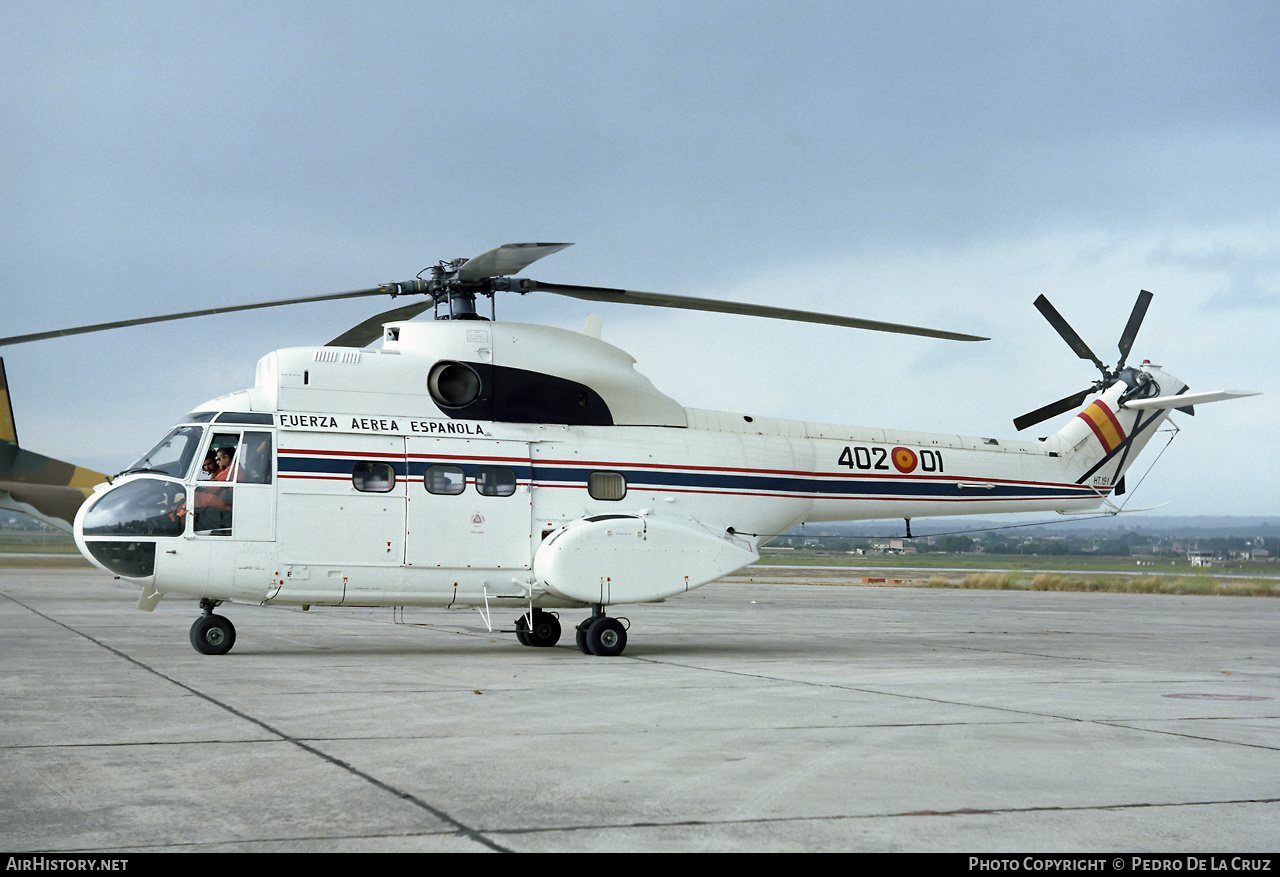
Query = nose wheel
x=212 y=634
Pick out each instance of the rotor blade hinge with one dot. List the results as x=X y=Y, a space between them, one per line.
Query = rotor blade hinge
x=408 y=287
x=521 y=285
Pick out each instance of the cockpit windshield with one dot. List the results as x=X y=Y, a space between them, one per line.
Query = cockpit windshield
x=173 y=456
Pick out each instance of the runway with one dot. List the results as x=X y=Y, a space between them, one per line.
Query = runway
x=742 y=717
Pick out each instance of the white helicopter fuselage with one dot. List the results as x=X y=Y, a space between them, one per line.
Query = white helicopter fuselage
x=471 y=464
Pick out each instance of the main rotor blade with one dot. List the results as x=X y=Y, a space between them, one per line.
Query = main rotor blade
x=1074 y=341
x=1131 y=328
x=1067 y=403
x=365 y=333
x=119 y=324
x=627 y=296
x=506 y=260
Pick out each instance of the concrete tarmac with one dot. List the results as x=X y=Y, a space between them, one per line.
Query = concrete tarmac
x=743 y=716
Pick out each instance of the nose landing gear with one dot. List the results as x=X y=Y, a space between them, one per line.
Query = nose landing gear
x=212 y=634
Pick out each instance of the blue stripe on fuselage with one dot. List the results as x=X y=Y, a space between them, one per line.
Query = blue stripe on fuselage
x=728 y=482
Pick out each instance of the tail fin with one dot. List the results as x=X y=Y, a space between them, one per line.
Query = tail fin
x=8 y=432
x=1105 y=437
x=48 y=490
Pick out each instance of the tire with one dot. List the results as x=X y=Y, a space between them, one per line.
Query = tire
x=213 y=635
x=606 y=637
x=545 y=632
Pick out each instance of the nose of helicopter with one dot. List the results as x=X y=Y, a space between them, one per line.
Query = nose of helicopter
x=117 y=528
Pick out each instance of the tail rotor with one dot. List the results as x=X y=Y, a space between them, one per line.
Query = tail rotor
x=1082 y=350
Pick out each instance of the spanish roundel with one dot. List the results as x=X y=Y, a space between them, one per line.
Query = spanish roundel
x=904 y=459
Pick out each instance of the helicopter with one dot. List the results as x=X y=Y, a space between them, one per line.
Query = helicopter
x=469 y=463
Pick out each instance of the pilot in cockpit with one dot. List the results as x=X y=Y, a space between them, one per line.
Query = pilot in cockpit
x=225 y=456
x=209 y=466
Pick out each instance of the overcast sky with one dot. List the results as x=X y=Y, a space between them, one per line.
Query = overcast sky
x=940 y=164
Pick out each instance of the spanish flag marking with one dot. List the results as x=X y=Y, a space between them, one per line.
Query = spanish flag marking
x=1104 y=425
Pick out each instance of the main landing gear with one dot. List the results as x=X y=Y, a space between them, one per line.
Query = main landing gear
x=601 y=635
x=544 y=632
x=597 y=635
x=212 y=634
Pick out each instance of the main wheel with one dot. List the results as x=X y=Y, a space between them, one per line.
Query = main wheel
x=213 y=635
x=606 y=637
x=545 y=631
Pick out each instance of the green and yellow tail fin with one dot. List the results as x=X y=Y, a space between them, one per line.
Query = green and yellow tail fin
x=8 y=432
x=42 y=487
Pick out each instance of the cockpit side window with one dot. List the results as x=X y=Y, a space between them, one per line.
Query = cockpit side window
x=254 y=463
x=220 y=458
x=214 y=505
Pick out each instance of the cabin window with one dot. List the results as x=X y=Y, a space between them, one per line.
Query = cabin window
x=606 y=485
x=444 y=480
x=495 y=481
x=373 y=477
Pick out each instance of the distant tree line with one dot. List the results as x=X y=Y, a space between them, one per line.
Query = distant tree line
x=1011 y=541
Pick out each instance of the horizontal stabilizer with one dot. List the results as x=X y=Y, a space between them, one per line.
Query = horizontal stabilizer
x=1186 y=399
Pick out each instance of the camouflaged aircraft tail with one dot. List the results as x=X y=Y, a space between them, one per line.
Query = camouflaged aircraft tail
x=8 y=432
x=48 y=490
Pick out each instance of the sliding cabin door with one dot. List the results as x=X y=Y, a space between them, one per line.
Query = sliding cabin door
x=469 y=504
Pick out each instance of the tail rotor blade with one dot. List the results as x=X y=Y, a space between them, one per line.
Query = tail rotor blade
x=1074 y=341
x=1131 y=328
x=1067 y=403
